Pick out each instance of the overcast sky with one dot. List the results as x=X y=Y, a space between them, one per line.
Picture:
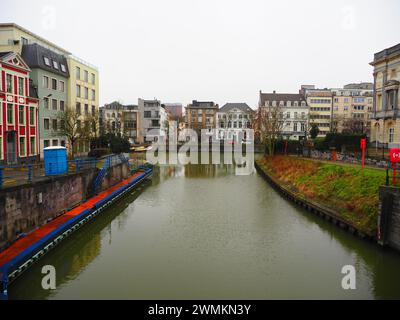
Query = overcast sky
x=220 y=50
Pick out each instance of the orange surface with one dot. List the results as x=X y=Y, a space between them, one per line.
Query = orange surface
x=23 y=243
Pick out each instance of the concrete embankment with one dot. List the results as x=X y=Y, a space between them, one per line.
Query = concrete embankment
x=25 y=208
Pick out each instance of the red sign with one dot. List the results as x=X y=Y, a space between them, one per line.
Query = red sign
x=363 y=143
x=395 y=155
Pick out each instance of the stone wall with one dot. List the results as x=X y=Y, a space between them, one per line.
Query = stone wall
x=389 y=217
x=24 y=208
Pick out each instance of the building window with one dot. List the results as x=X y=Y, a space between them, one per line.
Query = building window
x=93 y=110
x=62 y=105
x=78 y=73
x=391 y=135
x=21 y=86
x=78 y=90
x=62 y=124
x=147 y=114
x=10 y=114
x=32 y=116
x=295 y=126
x=46 y=124
x=62 y=143
x=54 y=124
x=54 y=142
x=93 y=95
x=46 y=143
x=21 y=115
x=46 y=103
x=45 y=82
x=9 y=84
x=78 y=124
x=86 y=76
x=55 y=64
x=46 y=61
x=63 y=68
x=54 y=104
x=62 y=86
x=54 y=84
x=78 y=108
x=86 y=93
x=93 y=78
x=24 y=41
x=86 y=109
x=33 y=145
x=22 y=147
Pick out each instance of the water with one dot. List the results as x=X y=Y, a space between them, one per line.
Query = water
x=199 y=232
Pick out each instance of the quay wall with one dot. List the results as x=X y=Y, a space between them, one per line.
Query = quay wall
x=27 y=207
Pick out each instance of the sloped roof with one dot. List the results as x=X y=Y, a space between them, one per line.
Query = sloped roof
x=280 y=97
x=34 y=55
x=241 y=106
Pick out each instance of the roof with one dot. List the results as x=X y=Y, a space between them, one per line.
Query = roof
x=241 y=106
x=14 y=25
x=202 y=104
x=34 y=54
x=387 y=53
x=280 y=97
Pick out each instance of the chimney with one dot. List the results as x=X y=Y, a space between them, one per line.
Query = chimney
x=274 y=92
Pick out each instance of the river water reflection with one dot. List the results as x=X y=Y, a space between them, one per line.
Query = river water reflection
x=200 y=231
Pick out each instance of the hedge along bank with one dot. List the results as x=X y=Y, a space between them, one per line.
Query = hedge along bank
x=350 y=192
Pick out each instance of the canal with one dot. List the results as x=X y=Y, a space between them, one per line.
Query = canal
x=200 y=231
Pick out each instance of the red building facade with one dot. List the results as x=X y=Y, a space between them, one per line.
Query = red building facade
x=18 y=112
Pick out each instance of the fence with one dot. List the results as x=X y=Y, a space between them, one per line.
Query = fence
x=11 y=175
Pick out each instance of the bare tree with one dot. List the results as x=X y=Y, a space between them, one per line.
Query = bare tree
x=354 y=126
x=268 y=124
x=71 y=128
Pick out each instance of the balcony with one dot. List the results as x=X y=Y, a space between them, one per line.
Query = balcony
x=386 y=114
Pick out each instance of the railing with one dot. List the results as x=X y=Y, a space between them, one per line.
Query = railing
x=11 y=175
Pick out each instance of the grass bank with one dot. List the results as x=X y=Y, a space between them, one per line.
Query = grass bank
x=348 y=190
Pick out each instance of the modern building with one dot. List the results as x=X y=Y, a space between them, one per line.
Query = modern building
x=119 y=119
x=201 y=115
x=19 y=134
x=385 y=124
x=232 y=120
x=320 y=104
x=293 y=111
x=153 y=120
x=83 y=94
x=49 y=73
x=352 y=108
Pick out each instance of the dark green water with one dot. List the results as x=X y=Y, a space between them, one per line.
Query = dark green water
x=199 y=232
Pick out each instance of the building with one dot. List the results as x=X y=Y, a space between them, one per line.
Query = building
x=49 y=73
x=82 y=87
x=174 y=110
x=385 y=124
x=293 y=110
x=83 y=94
x=232 y=120
x=201 y=115
x=320 y=104
x=119 y=119
x=352 y=108
x=19 y=134
x=153 y=120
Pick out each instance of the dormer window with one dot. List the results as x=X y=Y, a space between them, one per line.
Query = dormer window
x=63 y=68
x=55 y=64
x=46 y=61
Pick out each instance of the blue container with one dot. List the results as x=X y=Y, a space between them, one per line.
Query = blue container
x=55 y=160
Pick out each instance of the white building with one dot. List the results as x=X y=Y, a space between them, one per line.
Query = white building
x=293 y=110
x=153 y=120
x=232 y=119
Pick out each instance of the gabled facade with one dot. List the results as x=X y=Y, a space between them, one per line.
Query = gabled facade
x=232 y=119
x=19 y=140
x=201 y=115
